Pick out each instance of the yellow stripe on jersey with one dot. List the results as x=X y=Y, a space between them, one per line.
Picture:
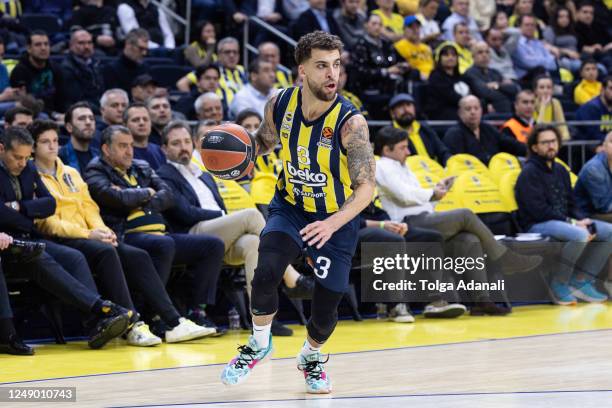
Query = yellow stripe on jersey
x=285 y=154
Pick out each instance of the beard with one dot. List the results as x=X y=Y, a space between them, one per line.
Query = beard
x=82 y=136
x=319 y=91
x=405 y=120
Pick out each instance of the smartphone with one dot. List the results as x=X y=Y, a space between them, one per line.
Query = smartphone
x=448 y=183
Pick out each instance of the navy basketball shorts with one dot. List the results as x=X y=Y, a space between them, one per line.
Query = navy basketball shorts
x=332 y=263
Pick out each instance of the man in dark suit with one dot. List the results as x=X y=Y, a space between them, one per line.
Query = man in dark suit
x=317 y=17
x=24 y=198
x=199 y=209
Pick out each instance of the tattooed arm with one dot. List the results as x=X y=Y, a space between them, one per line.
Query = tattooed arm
x=362 y=169
x=266 y=136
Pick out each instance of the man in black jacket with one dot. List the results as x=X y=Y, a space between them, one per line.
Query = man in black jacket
x=547 y=206
x=129 y=65
x=24 y=197
x=42 y=79
x=479 y=139
x=82 y=73
x=422 y=140
x=132 y=198
x=317 y=17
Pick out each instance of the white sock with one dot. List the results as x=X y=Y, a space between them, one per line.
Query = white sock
x=261 y=334
x=308 y=350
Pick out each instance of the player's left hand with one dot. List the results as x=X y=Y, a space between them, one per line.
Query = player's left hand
x=318 y=232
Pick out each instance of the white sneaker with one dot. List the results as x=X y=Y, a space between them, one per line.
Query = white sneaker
x=608 y=286
x=141 y=336
x=443 y=309
x=400 y=314
x=187 y=330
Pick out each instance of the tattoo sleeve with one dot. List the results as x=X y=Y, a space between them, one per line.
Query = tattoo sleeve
x=266 y=136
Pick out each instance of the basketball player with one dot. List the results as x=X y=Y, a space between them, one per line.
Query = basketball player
x=327 y=179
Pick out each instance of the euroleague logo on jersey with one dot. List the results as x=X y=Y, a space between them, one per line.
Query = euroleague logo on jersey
x=306 y=177
x=327 y=135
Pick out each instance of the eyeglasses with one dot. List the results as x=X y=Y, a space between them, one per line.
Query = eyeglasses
x=230 y=52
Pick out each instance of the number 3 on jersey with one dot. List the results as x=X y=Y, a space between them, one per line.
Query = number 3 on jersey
x=322 y=267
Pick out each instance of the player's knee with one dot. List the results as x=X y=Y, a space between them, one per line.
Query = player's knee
x=321 y=326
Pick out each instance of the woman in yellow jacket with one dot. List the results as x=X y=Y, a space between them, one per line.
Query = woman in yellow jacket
x=77 y=224
x=547 y=108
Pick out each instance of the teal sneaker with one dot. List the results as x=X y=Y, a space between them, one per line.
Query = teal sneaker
x=562 y=294
x=317 y=380
x=584 y=290
x=237 y=370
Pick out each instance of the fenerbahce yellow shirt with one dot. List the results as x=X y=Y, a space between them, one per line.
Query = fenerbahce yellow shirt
x=419 y=56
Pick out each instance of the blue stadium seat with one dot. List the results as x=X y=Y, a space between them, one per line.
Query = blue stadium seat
x=167 y=75
x=47 y=22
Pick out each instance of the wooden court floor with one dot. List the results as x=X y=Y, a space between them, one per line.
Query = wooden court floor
x=539 y=356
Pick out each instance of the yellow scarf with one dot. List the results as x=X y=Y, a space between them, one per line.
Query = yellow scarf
x=415 y=138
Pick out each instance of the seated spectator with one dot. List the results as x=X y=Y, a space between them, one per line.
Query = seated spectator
x=77 y=224
x=208 y=81
x=209 y=106
x=82 y=73
x=393 y=23
x=59 y=8
x=38 y=75
x=524 y=8
x=161 y=114
x=231 y=74
x=422 y=140
x=446 y=86
x=520 y=125
x=343 y=92
x=594 y=39
x=202 y=50
x=499 y=21
x=130 y=64
x=99 y=20
x=595 y=184
x=8 y=94
x=561 y=39
x=406 y=201
x=482 y=11
x=134 y=14
x=463 y=41
x=500 y=57
x=112 y=105
x=138 y=120
x=10 y=342
x=18 y=117
x=416 y=53
x=317 y=17
x=461 y=10
x=60 y=270
x=588 y=87
x=430 y=29
x=293 y=8
x=375 y=226
x=270 y=12
x=530 y=55
x=472 y=136
x=489 y=84
x=547 y=108
x=375 y=67
x=143 y=87
x=268 y=51
x=256 y=93
x=600 y=109
x=200 y=209
x=132 y=198
x=350 y=20
x=81 y=126
x=546 y=205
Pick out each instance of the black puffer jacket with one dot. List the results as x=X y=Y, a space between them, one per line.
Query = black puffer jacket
x=117 y=198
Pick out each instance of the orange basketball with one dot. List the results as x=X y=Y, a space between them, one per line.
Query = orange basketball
x=228 y=151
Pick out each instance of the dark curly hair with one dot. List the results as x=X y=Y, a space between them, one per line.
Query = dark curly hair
x=319 y=40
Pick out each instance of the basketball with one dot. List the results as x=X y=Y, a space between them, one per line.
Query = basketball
x=228 y=151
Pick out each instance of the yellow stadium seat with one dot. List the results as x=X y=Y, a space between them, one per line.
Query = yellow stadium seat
x=423 y=164
x=501 y=164
x=506 y=189
x=473 y=191
x=573 y=177
x=463 y=162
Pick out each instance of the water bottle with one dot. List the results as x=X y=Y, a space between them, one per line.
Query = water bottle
x=381 y=311
x=234 y=319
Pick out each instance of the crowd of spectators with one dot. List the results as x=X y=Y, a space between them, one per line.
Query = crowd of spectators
x=98 y=163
